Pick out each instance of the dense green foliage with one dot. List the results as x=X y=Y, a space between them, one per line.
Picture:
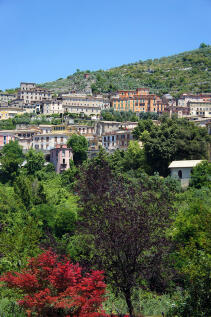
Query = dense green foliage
x=120 y=116
x=171 y=139
x=201 y=175
x=79 y=145
x=11 y=159
x=113 y=212
x=185 y=72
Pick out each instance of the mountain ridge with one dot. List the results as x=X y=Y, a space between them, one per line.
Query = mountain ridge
x=184 y=72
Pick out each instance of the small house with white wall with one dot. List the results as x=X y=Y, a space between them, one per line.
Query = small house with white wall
x=182 y=170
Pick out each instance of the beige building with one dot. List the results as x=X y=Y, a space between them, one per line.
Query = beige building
x=7 y=97
x=112 y=141
x=30 y=93
x=9 y=112
x=52 y=106
x=46 y=142
x=200 y=109
x=89 y=105
x=86 y=110
x=109 y=126
x=187 y=98
x=27 y=86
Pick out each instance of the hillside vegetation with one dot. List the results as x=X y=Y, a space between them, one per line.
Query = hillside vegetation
x=176 y=74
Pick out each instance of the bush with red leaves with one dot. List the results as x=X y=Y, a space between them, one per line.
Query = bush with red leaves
x=54 y=287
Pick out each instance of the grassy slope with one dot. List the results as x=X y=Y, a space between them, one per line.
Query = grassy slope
x=185 y=72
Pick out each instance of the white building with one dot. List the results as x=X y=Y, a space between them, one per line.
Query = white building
x=46 y=142
x=181 y=170
x=200 y=109
x=186 y=98
x=30 y=93
x=89 y=105
x=52 y=106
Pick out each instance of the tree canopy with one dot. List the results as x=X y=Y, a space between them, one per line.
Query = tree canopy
x=127 y=221
x=172 y=139
x=79 y=145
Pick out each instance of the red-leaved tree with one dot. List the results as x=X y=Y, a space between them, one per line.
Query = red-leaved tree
x=54 y=287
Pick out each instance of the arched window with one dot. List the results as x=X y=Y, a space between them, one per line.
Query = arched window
x=180 y=174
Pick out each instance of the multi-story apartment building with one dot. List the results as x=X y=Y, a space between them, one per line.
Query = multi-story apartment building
x=112 y=141
x=60 y=156
x=30 y=93
x=52 y=106
x=139 y=100
x=9 y=112
x=89 y=105
x=185 y=99
x=46 y=142
x=86 y=110
x=5 y=137
x=7 y=97
x=24 y=136
x=200 y=109
x=178 y=110
x=85 y=130
x=109 y=126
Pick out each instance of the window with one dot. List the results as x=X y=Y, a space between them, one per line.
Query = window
x=180 y=174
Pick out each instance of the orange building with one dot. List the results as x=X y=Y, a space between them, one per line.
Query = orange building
x=139 y=100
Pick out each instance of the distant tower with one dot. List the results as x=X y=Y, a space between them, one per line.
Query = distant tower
x=60 y=157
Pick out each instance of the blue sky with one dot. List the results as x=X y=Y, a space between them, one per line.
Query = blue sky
x=43 y=40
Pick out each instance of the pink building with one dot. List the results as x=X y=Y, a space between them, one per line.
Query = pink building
x=5 y=137
x=60 y=157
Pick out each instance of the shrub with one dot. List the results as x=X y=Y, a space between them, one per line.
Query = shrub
x=56 y=287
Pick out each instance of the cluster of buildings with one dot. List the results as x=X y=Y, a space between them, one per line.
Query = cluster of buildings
x=111 y=135
x=33 y=99
x=139 y=100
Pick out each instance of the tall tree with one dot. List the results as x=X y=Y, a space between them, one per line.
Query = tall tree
x=191 y=232
x=79 y=145
x=201 y=175
x=35 y=161
x=173 y=139
x=127 y=221
x=11 y=159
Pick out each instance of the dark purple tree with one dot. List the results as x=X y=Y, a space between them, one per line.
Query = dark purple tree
x=128 y=220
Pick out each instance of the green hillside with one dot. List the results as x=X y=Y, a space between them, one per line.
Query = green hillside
x=185 y=72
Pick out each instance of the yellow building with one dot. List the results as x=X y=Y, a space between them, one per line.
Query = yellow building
x=139 y=100
x=9 y=112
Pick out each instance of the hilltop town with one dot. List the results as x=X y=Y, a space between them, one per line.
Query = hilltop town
x=52 y=118
x=116 y=176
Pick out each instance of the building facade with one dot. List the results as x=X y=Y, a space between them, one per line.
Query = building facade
x=200 y=109
x=112 y=141
x=52 y=106
x=80 y=103
x=181 y=170
x=60 y=156
x=139 y=100
x=9 y=112
x=30 y=93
